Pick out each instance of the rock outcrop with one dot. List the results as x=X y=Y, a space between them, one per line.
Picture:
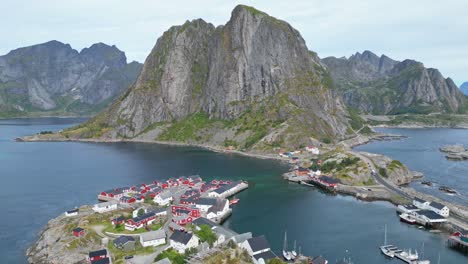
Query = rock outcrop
x=455 y=152
x=250 y=81
x=380 y=85
x=54 y=79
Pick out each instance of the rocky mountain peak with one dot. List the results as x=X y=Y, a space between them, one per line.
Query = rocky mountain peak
x=251 y=65
x=464 y=88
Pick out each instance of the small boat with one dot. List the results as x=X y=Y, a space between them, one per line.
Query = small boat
x=233 y=201
x=407 y=219
x=408 y=256
x=286 y=254
x=386 y=249
x=428 y=183
x=293 y=253
x=447 y=190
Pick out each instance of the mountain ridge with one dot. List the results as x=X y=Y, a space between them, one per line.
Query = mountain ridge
x=464 y=88
x=252 y=83
x=381 y=85
x=52 y=78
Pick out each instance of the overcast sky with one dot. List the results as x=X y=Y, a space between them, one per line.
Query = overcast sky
x=434 y=32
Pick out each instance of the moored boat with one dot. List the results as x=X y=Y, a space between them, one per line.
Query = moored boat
x=387 y=249
x=233 y=201
x=407 y=219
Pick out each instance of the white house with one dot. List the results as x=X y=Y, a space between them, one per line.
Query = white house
x=135 y=212
x=153 y=238
x=181 y=241
x=105 y=207
x=313 y=150
x=164 y=198
x=439 y=208
x=73 y=212
x=219 y=209
x=205 y=203
x=421 y=204
x=256 y=245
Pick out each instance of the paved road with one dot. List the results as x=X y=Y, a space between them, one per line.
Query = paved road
x=454 y=218
x=378 y=178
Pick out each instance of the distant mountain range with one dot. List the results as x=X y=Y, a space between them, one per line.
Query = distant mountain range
x=381 y=85
x=54 y=79
x=464 y=88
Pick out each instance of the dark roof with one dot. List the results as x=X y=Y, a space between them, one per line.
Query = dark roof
x=118 y=219
x=78 y=229
x=437 y=205
x=319 y=260
x=181 y=237
x=159 y=210
x=142 y=217
x=265 y=255
x=101 y=261
x=430 y=214
x=218 y=206
x=203 y=221
x=410 y=207
x=302 y=169
x=258 y=243
x=206 y=201
x=73 y=211
x=122 y=240
x=419 y=200
x=182 y=211
x=226 y=187
x=101 y=252
x=329 y=179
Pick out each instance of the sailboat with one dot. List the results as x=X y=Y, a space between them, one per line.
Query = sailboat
x=387 y=249
x=286 y=254
x=422 y=255
x=293 y=253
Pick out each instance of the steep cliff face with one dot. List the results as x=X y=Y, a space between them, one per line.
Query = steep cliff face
x=464 y=88
x=250 y=80
x=53 y=78
x=380 y=85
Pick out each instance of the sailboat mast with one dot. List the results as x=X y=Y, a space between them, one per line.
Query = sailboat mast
x=385 y=238
x=285 y=245
x=294 y=245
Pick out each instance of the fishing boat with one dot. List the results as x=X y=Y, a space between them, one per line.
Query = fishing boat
x=386 y=249
x=293 y=253
x=286 y=254
x=407 y=219
x=233 y=201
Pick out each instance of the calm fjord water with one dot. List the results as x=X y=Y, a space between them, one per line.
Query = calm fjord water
x=41 y=180
x=420 y=152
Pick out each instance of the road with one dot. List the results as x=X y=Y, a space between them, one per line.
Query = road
x=459 y=221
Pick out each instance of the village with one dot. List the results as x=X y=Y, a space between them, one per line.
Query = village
x=431 y=215
x=173 y=221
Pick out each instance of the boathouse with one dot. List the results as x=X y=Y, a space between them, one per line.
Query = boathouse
x=301 y=171
x=219 y=209
x=439 y=208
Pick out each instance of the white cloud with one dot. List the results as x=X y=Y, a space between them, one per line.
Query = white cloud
x=431 y=31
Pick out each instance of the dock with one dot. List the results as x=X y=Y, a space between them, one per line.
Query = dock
x=456 y=242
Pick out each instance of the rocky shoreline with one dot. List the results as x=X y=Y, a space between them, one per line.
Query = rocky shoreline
x=455 y=152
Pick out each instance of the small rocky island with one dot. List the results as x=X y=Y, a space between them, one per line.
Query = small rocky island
x=455 y=152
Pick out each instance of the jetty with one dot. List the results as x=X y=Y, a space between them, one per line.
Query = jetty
x=459 y=241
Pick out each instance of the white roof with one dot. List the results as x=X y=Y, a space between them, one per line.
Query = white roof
x=105 y=204
x=153 y=235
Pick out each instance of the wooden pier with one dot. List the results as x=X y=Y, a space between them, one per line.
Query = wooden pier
x=456 y=242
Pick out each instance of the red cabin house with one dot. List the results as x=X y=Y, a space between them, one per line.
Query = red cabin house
x=181 y=209
x=127 y=199
x=182 y=219
x=97 y=255
x=118 y=220
x=78 y=232
x=301 y=171
x=165 y=185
